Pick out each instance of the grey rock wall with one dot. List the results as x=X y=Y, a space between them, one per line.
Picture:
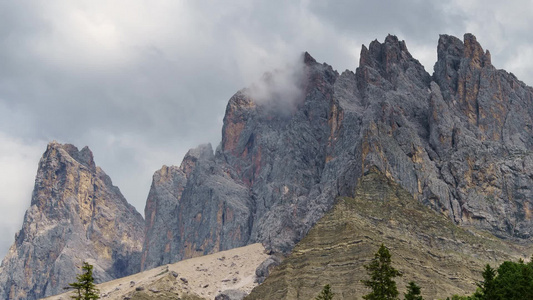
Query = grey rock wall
x=458 y=140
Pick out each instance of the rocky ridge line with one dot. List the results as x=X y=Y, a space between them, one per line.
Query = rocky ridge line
x=447 y=138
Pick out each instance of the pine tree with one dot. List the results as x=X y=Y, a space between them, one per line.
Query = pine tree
x=326 y=293
x=413 y=292
x=382 y=276
x=487 y=288
x=84 y=287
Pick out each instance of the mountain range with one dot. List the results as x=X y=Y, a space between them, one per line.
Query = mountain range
x=459 y=142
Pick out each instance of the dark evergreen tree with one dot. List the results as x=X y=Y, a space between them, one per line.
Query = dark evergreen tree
x=487 y=288
x=514 y=281
x=326 y=293
x=382 y=275
x=413 y=292
x=84 y=287
x=511 y=281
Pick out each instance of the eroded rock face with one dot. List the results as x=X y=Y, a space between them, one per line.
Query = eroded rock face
x=459 y=141
x=427 y=247
x=76 y=215
x=253 y=187
x=482 y=133
x=194 y=210
x=167 y=186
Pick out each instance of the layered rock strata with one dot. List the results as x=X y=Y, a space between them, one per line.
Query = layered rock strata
x=426 y=247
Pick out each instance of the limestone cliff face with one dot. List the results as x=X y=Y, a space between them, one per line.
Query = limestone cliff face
x=167 y=186
x=255 y=187
x=194 y=210
x=459 y=141
x=481 y=128
x=76 y=215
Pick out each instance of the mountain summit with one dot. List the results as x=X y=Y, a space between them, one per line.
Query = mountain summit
x=76 y=215
x=459 y=141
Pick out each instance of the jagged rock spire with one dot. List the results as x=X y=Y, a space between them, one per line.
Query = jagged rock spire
x=76 y=215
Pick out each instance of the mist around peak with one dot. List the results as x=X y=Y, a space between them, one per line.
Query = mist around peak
x=280 y=91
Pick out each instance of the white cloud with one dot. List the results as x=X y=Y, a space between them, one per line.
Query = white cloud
x=522 y=63
x=281 y=90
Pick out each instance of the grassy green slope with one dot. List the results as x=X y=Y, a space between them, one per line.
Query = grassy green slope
x=426 y=247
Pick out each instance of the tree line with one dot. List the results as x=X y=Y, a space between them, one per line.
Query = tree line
x=510 y=281
x=381 y=282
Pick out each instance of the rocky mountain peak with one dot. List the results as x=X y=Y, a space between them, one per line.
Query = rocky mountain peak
x=383 y=65
x=384 y=55
x=76 y=215
x=270 y=148
x=475 y=53
x=452 y=50
x=202 y=152
x=83 y=156
x=308 y=59
x=484 y=95
x=454 y=55
x=449 y=45
x=239 y=108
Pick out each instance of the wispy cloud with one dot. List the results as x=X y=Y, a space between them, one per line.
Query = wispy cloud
x=280 y=90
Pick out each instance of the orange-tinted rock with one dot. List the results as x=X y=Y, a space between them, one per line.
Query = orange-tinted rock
x=76 y=215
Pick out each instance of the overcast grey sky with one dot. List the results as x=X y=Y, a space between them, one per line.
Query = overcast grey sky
x=141 y=82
